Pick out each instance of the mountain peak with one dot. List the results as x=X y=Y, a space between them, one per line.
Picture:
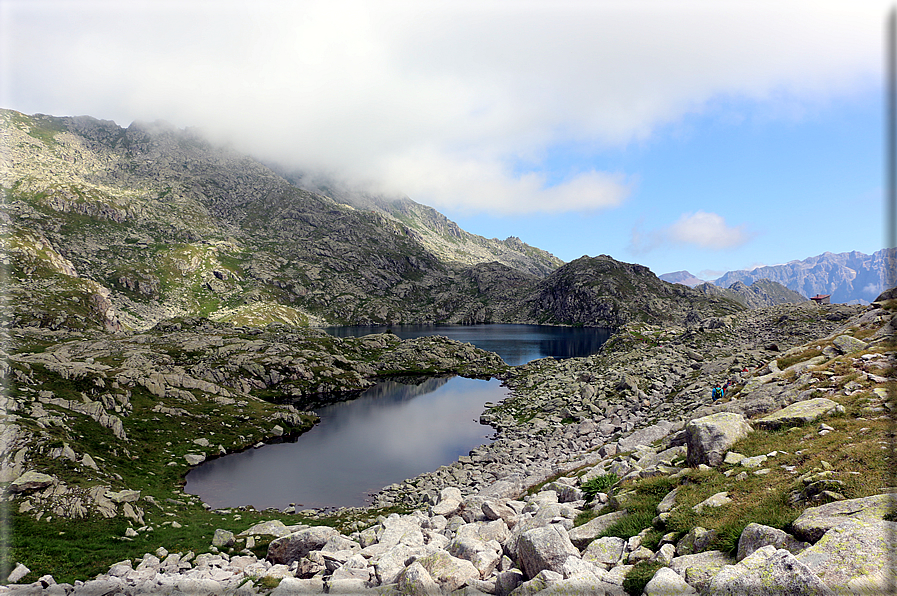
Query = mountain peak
x=681 y=277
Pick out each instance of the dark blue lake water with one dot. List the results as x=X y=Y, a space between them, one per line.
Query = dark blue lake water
x=516 y=344
x=391 y=432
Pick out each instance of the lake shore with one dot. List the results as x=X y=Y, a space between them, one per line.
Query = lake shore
x=563 y=417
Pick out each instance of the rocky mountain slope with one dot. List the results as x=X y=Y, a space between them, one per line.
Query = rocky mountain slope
x=850 y=277
x=122 y=228
x=594 y=483
x=436 y=232
x=762 y=292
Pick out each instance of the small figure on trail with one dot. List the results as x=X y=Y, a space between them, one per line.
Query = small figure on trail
x=716 y=393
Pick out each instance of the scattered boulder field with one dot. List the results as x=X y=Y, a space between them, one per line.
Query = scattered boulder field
x=611 y=474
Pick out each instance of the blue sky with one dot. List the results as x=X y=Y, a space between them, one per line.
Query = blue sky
x=791 y=186
x=692 y=135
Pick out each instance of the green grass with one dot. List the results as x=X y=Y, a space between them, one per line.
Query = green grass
x=641 y=504
x=638 y=577
x=598 y=484
x=792 y=360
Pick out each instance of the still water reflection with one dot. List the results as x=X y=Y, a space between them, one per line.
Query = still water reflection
x=516 y=344
x=391 y=432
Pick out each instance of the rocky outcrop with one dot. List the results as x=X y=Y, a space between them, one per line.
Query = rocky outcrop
x=797 y=414
x=603 y=292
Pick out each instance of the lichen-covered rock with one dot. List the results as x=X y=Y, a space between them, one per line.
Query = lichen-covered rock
x=484 y=556
x=802 y=412
x=416 y=581
x=607 y=551
x=755 y=536
x=222 y=538
x=709 y=438
x=293 y=547
x=668 y=502
x=768 y=572
x=696 y=540
x=545 y=548
x=646 y=436
x=537 y=585
x=847 y=344
x=713 y=501
x=273 y=527
x=816 y=521
x=507 y=581
x=30 y=480
x=853 y=555
x=401 y=529
x=700 y=568
x=582 y=536
x=449 y=572
x=667 y=582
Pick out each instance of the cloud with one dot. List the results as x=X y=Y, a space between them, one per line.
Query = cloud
x=438 y=96
x=706 y=230
x=872 y=289
x=483 y=184
x=699 y=229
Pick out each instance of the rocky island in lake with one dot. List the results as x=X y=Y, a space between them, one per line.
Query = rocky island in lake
x=162 y=298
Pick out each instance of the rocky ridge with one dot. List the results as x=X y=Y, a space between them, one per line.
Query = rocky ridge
x=762 y=292
x=436 y=232
x=628 y=412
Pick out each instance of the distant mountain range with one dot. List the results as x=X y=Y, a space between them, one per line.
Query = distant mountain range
x=763 y=292
x=849 y=277
x=682 y=277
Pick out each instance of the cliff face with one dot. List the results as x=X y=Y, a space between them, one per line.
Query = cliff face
x=121 y=228
x=850 y=277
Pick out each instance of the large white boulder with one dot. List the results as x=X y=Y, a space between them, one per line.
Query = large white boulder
x=855 y=557
x=293 y=547
x=768 y=572
x=545 y=548
x=708 y=438
x=816 y=521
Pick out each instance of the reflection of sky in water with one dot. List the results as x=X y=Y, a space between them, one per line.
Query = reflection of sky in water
x=516 y=344
x=390 y=433
x=358 y=448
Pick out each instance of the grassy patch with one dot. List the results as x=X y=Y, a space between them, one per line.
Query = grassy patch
x=598 y=484
x=853 y=456
x=641 y=503
x=792 y=360
x=638 y=577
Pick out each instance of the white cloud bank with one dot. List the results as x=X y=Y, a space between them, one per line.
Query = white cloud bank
x=441 y=100
x=699 y=229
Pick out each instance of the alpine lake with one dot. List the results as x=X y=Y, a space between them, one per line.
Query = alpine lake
x=391 y=432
